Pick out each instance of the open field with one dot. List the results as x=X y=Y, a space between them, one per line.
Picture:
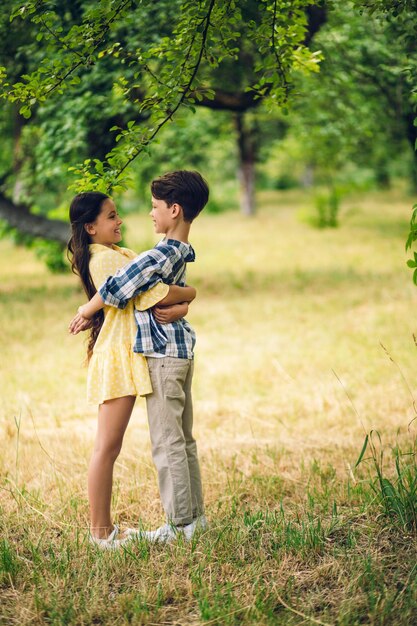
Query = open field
x=305 y=344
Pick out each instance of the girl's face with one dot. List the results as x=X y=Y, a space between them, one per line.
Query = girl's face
x=106 y=229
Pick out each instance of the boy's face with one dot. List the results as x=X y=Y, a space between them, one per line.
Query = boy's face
x=161 y=215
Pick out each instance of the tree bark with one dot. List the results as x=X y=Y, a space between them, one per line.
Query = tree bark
x=19 y=216
x=19 y=123
x=246 y=141
x=410 y=119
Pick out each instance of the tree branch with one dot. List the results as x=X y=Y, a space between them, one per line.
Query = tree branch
x=19 y=216
x=235 y=101
x=84 y=58
x=185 y=90
x=280 y=69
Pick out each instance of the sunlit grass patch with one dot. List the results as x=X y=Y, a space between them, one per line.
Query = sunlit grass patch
x=290 y=377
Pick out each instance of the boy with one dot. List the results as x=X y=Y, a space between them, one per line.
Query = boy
x=177 y=198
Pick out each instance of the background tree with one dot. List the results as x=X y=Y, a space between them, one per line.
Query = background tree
x=100 y=83
x=231 y=81
x=353 y=124
x=89 y=68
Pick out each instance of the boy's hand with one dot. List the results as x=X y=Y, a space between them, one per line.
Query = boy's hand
x=79 y=322
x=168 y=314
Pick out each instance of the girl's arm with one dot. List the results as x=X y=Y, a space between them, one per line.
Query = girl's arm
x=178 y=294
x=85 y=313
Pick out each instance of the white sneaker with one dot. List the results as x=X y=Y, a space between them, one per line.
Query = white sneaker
x=169 y=533
x=111 y=542
x=198 y=524
x=136 y=533
x=164 y=534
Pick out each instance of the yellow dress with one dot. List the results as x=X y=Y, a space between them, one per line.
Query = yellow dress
x=114 y=369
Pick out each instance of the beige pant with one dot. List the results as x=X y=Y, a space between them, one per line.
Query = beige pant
x=174 y=450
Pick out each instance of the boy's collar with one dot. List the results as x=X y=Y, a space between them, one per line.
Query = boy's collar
x=185 y=248
x=175 y=242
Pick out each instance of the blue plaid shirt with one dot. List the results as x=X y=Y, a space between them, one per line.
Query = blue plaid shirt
x=166 y=262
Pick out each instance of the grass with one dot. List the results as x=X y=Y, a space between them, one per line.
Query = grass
x=290 y=378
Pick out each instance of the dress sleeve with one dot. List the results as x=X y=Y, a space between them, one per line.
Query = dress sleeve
x=108 y=263
x=104 y=264
x=147 y=299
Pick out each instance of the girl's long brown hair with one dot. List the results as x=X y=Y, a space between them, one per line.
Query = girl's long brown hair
x=84 y=209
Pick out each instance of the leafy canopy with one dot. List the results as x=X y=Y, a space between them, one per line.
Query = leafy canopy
x=158 y=58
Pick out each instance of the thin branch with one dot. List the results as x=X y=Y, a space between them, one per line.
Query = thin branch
x=185 y=90
x=59 y=40
x=278 y=60
x=84 y=59
x=190 y=47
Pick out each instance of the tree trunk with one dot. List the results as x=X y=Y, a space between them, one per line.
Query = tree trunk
x=19 y=123
x=246 y=139
x=307 y=177
x=412 y=138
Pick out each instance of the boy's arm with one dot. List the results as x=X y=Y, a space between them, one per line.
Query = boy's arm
x=177 y=295
x=169 y=314
x=175 y=305
x=145 y=271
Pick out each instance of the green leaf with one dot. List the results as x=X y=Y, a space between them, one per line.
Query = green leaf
x=365 y=445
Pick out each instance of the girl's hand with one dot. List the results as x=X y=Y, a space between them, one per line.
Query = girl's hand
x=85 y=312
x=168 y=314
x=79 y=322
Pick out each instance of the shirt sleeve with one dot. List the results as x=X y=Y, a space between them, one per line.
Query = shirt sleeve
x=108 y=263
x=138 y=276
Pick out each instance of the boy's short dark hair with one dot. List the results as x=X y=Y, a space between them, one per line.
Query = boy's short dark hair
x=186 y=188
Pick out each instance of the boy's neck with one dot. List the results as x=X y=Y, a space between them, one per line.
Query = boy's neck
x=179 y=232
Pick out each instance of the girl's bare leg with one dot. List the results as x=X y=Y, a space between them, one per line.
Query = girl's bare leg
x=113 y=418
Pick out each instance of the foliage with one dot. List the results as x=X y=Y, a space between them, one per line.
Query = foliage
x=363 y=80
x=397 y=495
x=327 y=208
x=410 y=240
x=158 y=76
x=401 y=17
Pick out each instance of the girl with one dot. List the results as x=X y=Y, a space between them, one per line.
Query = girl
x=116 y=374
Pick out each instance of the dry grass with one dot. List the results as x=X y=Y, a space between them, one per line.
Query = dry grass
x=290 y=374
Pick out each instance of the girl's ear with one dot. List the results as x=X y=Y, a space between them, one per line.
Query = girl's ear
x=90 y=229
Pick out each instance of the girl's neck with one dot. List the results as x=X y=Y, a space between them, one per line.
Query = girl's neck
x=101 y=243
